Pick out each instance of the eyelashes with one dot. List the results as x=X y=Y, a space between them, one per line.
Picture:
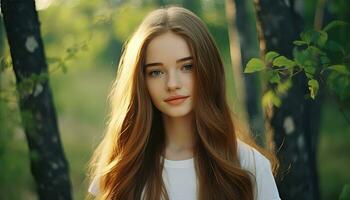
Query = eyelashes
x=187 y=67
x=156 y=72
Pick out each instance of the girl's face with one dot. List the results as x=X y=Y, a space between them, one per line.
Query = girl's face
x=169 y=76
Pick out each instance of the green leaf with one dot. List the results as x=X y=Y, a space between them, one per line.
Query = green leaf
x=339 y=68
x=269 y=98
x=283 y=61
x=276 y=101
x=283 y=87
x=300 y=57
x=63 y=66
x=5 y=62
x=333 y=24
x=313 y=87
x=321 y=38
x=71 y=50
x=52 y=60
x=310 y=71
x=334 y=46
x=325 y=60
x=85 y=47
x=316 y=51
x=254 y=65
x=275 y=77
x=42 y=77
x=299 y=43
x=309 y=36
x=339 y=84
x=318 y=38
x=306 y=36
x=270 y=56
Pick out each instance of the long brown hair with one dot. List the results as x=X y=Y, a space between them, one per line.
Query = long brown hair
x=128 y=160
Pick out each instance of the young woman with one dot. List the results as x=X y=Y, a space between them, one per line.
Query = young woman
x=170 y=133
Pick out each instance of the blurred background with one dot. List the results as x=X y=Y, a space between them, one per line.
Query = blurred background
x=83 y=42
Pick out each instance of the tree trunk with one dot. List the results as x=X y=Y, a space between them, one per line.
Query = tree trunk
x=2 y=40
x=293 y=127
x=48 y=163
x=243 y=46
x=235 y=53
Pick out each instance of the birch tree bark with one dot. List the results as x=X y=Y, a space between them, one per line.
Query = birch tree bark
x=292 y=125
x=47 y=161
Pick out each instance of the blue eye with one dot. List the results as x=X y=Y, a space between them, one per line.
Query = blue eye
x=154 y=73
x=187 y=67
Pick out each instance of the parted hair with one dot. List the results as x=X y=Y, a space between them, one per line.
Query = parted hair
x=129 y=159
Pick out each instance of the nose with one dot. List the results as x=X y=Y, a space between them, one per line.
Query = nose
x=173 y=82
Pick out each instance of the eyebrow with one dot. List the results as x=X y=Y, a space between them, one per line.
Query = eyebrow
x=179 y=60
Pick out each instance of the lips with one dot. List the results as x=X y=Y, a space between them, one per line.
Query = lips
x=177 y=97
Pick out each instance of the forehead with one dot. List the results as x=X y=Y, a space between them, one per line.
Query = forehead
x=167 y=47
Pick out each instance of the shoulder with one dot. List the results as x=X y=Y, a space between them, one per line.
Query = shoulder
x=94 y=186
x=259 y=166
x=251 y=159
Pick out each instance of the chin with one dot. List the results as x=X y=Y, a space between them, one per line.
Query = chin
x=177 y=113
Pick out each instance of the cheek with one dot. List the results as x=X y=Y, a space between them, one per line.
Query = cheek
x=189 y=82
x=153 y=89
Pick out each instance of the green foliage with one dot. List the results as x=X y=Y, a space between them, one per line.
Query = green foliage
x=270 y=56
x=79 y=94
x=320 y=57
x=274 y=77
x=334 y=24
x=282 y=61
x=32 y=85
x=71 y=53
x=271 y=97
x=254 y=65
x=345 y=194
x=313 y=87
x=339 y=68
x=5 y=63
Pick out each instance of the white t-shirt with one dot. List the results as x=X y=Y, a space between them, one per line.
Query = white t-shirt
x=180 y=176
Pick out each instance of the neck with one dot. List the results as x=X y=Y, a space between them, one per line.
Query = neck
x=179 y=137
